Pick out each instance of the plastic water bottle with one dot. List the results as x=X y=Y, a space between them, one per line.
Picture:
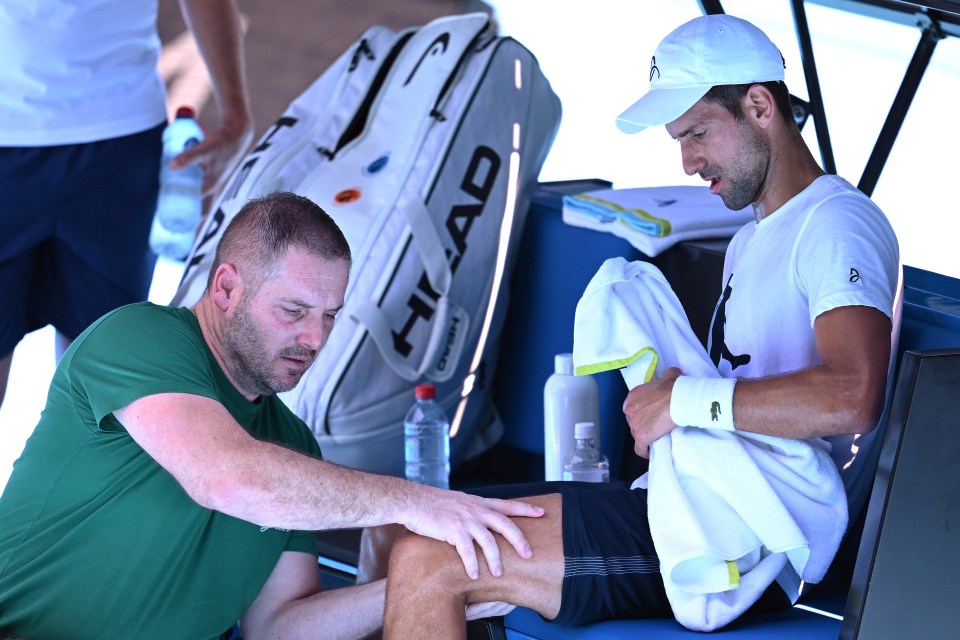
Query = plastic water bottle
x=426 y=432
x=585 y=463
x=169 y=244
x=180 y=200
x=567 y=400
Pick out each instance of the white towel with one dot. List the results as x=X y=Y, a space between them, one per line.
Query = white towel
x=730 y=512
x=653 y=219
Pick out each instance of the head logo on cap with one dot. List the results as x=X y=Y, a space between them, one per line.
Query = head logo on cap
x=698 y=55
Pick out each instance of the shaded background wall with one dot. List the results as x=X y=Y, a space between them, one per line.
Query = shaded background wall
x=291 y=42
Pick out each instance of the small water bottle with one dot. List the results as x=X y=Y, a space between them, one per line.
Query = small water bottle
x=585 y=463
x=180 y=199
x=567 y=400
x=426 y=436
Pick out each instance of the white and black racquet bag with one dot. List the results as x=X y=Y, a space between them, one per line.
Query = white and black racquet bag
x=424 y=145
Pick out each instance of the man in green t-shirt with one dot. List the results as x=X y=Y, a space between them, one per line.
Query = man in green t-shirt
x=167 y=491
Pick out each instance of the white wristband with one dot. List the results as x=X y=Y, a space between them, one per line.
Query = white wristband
x=703 y=402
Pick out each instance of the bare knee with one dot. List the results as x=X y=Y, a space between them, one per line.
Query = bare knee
x=427 y=564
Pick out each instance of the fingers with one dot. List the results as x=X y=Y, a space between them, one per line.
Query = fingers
x=488 y=545
x=515 y=508
x=508 y=528
x=468 y=556
x=488 y=609
x=496 y=520
x=469 y=522
x=641 y=449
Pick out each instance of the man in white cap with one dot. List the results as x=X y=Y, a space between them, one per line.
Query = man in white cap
x=802 y=333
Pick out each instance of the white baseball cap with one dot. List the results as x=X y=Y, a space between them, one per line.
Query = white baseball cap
x=707 y=51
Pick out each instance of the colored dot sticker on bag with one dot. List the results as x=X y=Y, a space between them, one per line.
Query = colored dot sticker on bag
x=347 y=196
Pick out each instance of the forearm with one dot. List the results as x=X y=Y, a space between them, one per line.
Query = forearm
x=349 y=612
x=277 y=487
x=814 y=402
x=216 y=27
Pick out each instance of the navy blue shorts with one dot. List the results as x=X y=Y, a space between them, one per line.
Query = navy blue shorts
x=611 y=569
x=73 y=232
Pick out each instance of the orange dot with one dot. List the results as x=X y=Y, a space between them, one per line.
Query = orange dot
x=347 y=196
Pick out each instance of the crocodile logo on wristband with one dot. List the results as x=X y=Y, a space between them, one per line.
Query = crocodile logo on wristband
x=714 y=411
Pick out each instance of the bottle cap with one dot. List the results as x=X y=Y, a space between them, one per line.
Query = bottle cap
x=186 y=112
x=563 y=364
x=425 y=392
x=583 y=430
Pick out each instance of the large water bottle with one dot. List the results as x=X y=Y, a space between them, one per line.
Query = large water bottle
x=585 y=463
x=567 y=400
x=426 y=434
x=180 y=199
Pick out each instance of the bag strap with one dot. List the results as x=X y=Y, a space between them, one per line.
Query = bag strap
x=447 y=315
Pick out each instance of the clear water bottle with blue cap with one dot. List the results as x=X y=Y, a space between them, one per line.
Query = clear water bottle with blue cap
x=426 y=437
x=180 y=199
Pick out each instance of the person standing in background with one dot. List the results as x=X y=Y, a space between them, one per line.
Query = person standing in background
x=82 y=110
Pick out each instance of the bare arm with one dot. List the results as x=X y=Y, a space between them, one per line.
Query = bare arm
x=273 y=486
x=292 y=605
x=843 y=395
x=215 y=25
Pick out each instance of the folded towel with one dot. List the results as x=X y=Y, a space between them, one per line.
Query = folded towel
x=653 y=219
x=730 y=511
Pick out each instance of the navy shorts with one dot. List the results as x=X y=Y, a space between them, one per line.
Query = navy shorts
x=73 y=232
x=611 y=569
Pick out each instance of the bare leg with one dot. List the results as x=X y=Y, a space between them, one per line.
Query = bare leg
x=5 y=362
x=375 y=546
x=428 y=588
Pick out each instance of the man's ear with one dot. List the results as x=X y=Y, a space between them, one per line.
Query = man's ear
x=759 y=105
x=226 y=286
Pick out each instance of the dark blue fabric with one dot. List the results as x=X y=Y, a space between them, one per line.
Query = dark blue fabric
x=611 y=567
x=73 y=231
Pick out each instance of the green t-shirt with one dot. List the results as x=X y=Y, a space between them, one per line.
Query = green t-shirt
x=96 y=539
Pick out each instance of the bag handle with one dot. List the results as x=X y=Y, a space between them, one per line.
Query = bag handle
x=450 y=322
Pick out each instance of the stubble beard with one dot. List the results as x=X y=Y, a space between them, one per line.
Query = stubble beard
x=750 y=164
x=253 y=367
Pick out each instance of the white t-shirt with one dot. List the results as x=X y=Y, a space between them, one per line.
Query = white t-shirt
x=74 y=71
x=830 y=246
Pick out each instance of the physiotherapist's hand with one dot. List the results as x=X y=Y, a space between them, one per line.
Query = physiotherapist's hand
x=488 y=610
x=647 y=409
x=461 y=519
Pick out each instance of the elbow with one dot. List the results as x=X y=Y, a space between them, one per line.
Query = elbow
x=216 y=492
x=863 y=407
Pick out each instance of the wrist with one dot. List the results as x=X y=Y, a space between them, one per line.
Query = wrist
x=703 y=402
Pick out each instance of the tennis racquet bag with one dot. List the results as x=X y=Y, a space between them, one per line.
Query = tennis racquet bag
x=424 y=145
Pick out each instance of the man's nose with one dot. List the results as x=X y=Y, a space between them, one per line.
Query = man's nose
x=313 y=334
x=691 y=158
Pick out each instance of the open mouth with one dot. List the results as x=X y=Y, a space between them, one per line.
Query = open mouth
x=297 y=363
